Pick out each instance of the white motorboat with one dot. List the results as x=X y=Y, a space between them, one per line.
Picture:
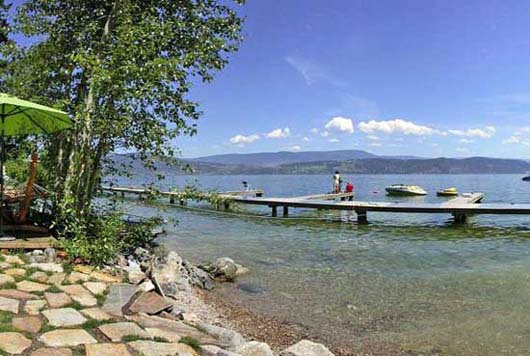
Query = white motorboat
x=407 y=190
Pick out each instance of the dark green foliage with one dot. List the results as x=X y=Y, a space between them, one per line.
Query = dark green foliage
x=192 y=342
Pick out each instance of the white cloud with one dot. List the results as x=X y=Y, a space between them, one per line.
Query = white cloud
x=324 y=134
x=376 y=144
x=306 y=139
x=340 y=124
x=243 y=140
x=512 y=139
x=279 y=133
x=465 y=141
x=372 y=138
x=334 y=140
x=487 y=132
x=462 y=150
x=295 y=148
x=395 y=126
x=314 y=130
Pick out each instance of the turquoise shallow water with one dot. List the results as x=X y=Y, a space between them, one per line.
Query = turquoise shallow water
x=410 y=280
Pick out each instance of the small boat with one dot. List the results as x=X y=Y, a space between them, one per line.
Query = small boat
x=526 y=178
x=402 y=189
x=447 y=192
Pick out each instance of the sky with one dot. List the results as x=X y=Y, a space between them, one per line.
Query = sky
x=410 y=77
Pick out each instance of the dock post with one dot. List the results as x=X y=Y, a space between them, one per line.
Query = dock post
x=459 y=218
x=226 y=205
x=182 y=202
x=362 y=218
x=274 y=211
x=285 y=211
x=171 y=200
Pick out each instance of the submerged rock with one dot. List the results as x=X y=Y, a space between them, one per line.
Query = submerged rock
x=251 y=288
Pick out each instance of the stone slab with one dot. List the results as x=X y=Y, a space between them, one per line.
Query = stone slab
x=9 y=305
x=5 y=278
x=150 y=303
x=64 y=317
x=66 y=338
x=57 y=279
x=116 y=331
x=14 y=343
x=17 y=294
x=33 y=307
x=95 y=287
x=119 y=295
x=40 y=276
x=31 y=324
x=96 y=314
x=52 y=351
x=153 y=348
x=29 y=286
x=76 y=277
x=107 y=349
x=57 y=300
x=306 y=348
x=164 y=334
x=13 y=260
x=80 y=295
x=15 y=272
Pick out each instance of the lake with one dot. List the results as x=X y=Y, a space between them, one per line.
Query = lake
x=413 y=280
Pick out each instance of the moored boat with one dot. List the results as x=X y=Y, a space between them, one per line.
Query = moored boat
x=447 y=192
x=406 y=190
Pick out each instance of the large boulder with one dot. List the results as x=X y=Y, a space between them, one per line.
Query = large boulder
x=198 y=277
x=306 y=348
x=230 y=338
x=170 y=274
x=224 y=269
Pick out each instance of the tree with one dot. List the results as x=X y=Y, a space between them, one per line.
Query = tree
x=123 y=70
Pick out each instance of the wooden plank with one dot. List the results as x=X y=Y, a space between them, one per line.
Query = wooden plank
x=328 y=196
x=29 y=243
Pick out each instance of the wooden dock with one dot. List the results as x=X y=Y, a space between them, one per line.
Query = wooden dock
x=460 y=207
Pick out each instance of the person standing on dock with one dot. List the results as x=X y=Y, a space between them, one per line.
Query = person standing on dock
x=337 y=181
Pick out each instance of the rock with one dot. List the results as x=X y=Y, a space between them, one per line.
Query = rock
x=107 y=350
x=80 y=295
x=76 y=277
x=96 y=314
x=164 y=334
x=241 y=270
x=150 y=303
x=16 y=294
x=229 y=338
x=15 y=260
x=14 y=343
x=51 y=254
x=190 y=318
x=254 y=348
x=4 y=279
x=57 y=300
x=177 y=327
x=9 y=305
x=100 y=276
x=153 y=348
x=15 y=272
x=37 y=259
x=4 y=265
x=306 y=348
x=146 y=286
x=39 y=276
x=66 y=338
x=95 y=288
x=116 y=331
x=223 y=269
x=57 y=279
x=52 y=351
x=134 y=273
x=64 y=317
x=36 y=253
x=198 y=277
x=31 y=324
x=211 y=350
x=171 y=274
x=48 y=267
x=119 y=295
x=251 y=288
x=29 y=286
x=33 y=307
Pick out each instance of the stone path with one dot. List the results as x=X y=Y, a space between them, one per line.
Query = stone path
x=45 y=311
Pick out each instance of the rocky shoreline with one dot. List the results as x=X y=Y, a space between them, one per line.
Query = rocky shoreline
x=147 y=303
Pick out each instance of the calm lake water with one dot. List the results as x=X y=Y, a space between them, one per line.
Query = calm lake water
x=411 y=280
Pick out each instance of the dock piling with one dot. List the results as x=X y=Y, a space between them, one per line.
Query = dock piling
x=460 y=218
x=285 y=211
x=362 y=217
x=274 y=211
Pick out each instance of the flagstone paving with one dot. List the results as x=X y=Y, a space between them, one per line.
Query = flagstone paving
x=64 y=317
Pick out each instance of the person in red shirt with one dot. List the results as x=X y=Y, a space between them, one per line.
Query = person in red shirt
x=349 y=189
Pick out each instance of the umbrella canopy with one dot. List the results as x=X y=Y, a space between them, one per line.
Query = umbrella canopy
x=21 y=117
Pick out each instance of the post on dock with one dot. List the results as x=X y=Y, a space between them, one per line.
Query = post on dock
x=274 y=211
x=226 y=205
x=171 y=199
x=459 y=218
x=362 y=218
x=285 y=211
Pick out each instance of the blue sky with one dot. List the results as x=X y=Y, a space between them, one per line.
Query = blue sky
x=429 y=78
x=408 y=77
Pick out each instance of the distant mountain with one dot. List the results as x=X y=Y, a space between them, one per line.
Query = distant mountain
x=367 y=163
x=270 y=159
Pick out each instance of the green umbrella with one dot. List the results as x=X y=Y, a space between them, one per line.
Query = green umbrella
x=21 y=117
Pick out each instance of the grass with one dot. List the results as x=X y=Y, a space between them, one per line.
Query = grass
x=54 y=289
x=74 y=305
x=92 y=323
x=2 y=258
x=46 y=327
x=78 y=351
x=160 y=339
x=5 y=322
x=68 y=268
x=191 y=342
x=130 y=338
x=8 y=285
x=101 y=298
